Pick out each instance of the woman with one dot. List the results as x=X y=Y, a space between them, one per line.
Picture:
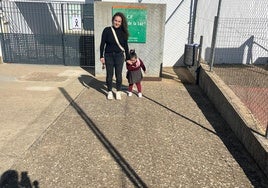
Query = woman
x=113 y=54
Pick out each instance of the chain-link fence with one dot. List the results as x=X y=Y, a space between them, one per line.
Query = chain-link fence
x=250 y=84
x=242 y=41
x=238 y=52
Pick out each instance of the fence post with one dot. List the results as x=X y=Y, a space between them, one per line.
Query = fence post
x=200 y=50
x=199 y=59
x=192 y=20
x=2 y=42
x=214 y=36
x=62 y=35
x=213 y=42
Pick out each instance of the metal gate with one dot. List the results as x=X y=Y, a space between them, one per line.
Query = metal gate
x=47 y=33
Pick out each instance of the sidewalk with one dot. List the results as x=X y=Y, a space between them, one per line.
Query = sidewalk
x=57 y=126
x=29 y=102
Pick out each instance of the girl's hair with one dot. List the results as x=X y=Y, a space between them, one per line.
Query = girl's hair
x=132 y=54
x=124 y=23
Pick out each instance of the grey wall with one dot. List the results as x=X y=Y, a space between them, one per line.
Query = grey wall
x=150 y=52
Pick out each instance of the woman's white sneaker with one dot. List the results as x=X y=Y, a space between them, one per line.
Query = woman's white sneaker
x=110 y=95
x=129 y=93
x=118 y=95
x=140 y=95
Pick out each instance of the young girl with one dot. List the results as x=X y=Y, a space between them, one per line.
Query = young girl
x=134 y=74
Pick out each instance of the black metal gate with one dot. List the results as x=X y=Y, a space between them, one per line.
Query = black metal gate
x=47 y=33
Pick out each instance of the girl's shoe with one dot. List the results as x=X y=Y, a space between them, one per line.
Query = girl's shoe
x=140 y=95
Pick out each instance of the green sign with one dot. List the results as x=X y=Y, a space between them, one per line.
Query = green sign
x=137 y=22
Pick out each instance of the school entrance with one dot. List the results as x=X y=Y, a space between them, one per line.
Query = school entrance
x=47 y=33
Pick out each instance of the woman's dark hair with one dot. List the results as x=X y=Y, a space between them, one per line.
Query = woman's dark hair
x=132 y=53
x=124 y=23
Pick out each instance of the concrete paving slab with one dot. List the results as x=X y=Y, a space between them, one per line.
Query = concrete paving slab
x=30 y=101
x=172 y=137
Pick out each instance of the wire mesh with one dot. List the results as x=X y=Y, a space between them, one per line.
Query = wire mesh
x=242 y=41
x=241 y=49
x=241 y=61
x=250 y=84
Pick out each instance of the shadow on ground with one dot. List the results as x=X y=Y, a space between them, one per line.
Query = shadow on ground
x=100 y=86
x=11 y=179
x=235 y=147
x=126 y=168
x=90 y=70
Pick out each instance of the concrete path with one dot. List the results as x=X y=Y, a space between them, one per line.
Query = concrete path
x=29 y=102
x=60 y=131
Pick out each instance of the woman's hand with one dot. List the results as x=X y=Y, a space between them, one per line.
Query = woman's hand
x=102 y=60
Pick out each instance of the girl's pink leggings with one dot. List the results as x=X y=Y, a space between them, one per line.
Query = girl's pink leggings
x=138 y=84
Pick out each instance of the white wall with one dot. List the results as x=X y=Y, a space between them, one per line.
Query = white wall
x=206 y=11
x=176 y=33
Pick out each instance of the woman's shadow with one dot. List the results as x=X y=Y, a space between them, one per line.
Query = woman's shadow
x=91 y=82
x=100 y=86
